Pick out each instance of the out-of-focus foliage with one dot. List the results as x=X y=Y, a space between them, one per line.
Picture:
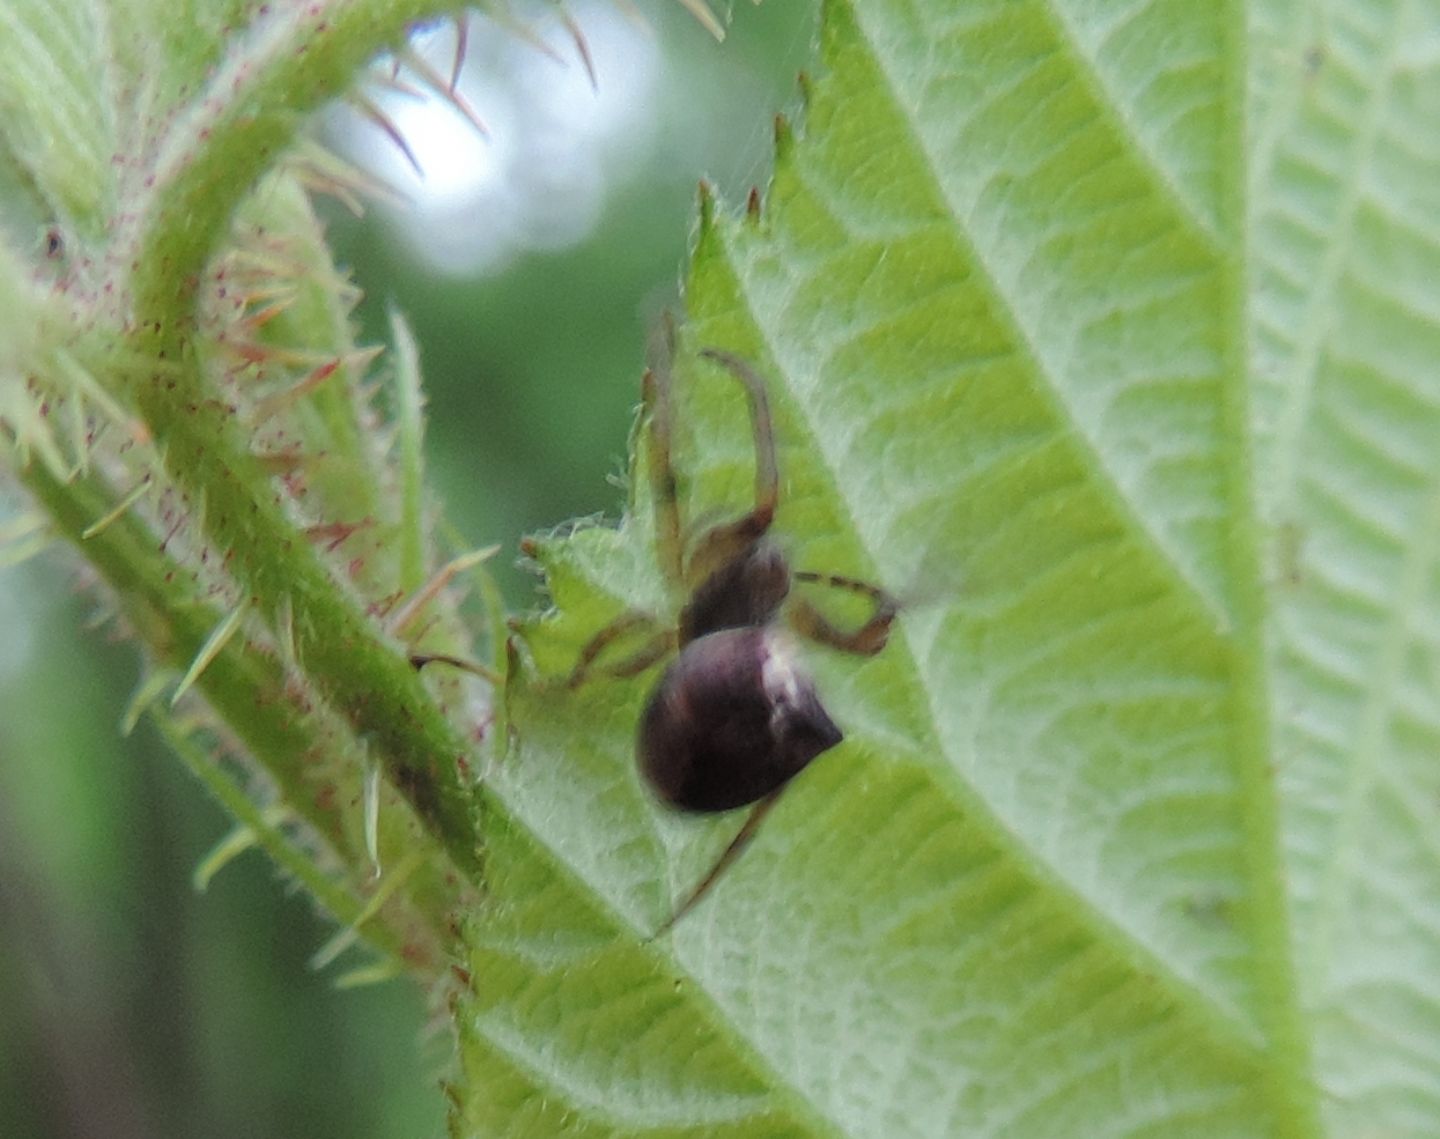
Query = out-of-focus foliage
x=131 y=1005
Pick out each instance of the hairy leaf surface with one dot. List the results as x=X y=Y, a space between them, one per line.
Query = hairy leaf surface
x=1106 y=333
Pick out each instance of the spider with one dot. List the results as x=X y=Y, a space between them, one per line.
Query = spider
x=735 y=715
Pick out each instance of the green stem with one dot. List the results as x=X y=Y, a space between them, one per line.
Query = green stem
x=236 y=131
x=247 y=687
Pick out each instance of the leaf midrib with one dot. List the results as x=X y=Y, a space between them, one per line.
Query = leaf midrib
x=1195 y=226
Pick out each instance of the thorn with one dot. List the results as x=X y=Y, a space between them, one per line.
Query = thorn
x=371 y=809
x=382 y=606
x=784 y=134
x=443 y=577
x=393 y=82
x=180 y=520
x=335 y=533
x=280 y=401
x=372 y=112
x=21 y=526
x=752 y=204
x=213 y=646
x=462 y=41
x=240 y=839
x=237 y=842
x=317 y=182
x=525 y=34
x=265 y=260
x=309 y=358
x=89 y=387
x=581 y=47
x=376 y=973
x=325 y=172
x=701 y=11
x=436 y=82
x=631 y=11
x=274 y=290
x=119 y=509
x=262 y=257
x=79 y=434
x=22 y=537
x=285 y=629
x=258 y=318
x=254 y=352
x=425 y=629
x=348 y=936
x=282 y=462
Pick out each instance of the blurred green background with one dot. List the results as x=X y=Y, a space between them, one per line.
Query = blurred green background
x=129 y=1004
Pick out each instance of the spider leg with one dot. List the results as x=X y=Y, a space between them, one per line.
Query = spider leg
x=655 y=389
x=865 y=640
x=724 y=543
x=742 y=839
x=419 y=660
x=767 y=474
x=660 y=643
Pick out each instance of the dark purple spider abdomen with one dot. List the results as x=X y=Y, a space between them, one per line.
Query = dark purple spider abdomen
x=734 y=717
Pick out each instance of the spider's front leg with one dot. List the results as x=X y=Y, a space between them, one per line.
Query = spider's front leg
x=727 y=543
x=655 y=648
x=658 y=414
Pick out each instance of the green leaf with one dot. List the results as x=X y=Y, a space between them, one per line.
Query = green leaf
x=1111 y=330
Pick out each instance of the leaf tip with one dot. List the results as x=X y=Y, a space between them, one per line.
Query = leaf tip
x=784 y=137
x=707 y=205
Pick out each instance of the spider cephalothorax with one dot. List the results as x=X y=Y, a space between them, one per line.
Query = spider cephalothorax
x=735 y=716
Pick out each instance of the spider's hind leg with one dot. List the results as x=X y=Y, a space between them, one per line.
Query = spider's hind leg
x=866 y=639
x=743 y=837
